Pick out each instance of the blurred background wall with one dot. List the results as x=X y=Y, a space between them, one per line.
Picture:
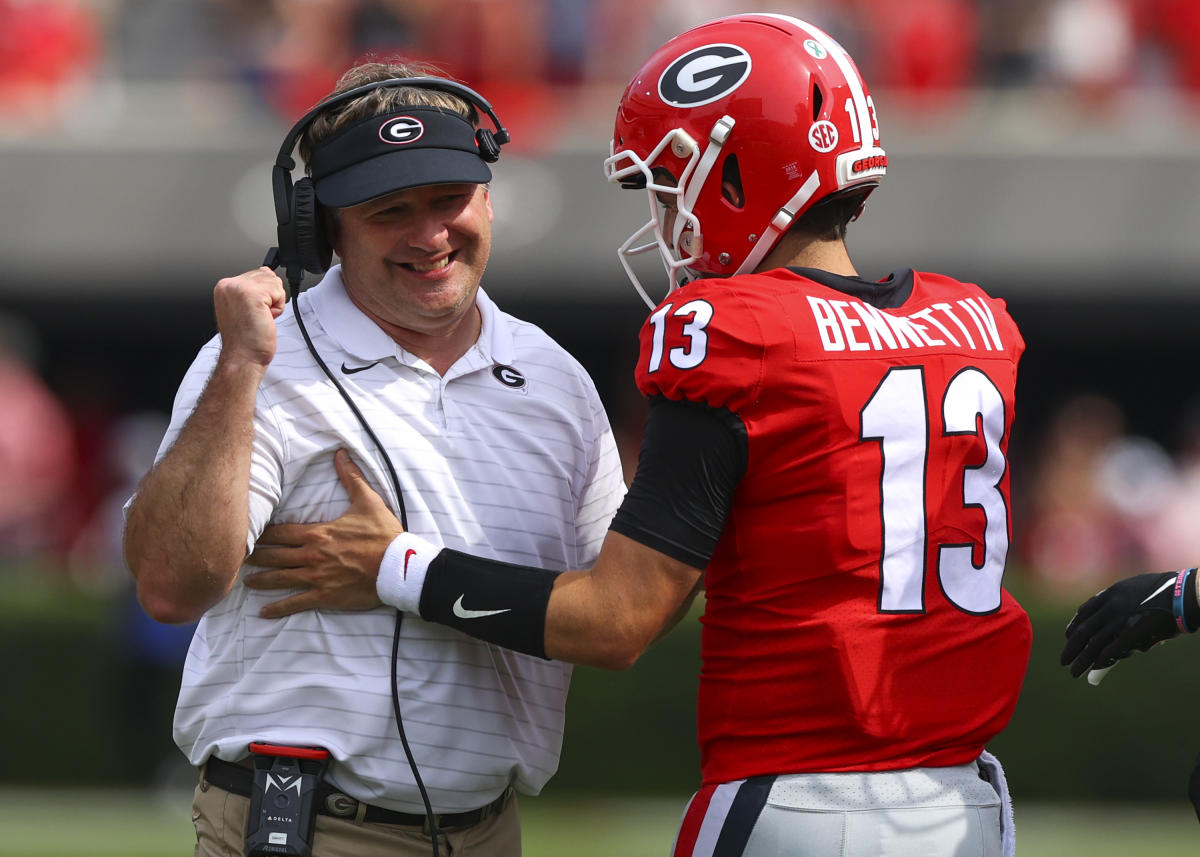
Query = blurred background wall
x=1044 y=148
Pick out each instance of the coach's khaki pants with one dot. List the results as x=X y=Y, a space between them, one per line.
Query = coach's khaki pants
x=220 y=820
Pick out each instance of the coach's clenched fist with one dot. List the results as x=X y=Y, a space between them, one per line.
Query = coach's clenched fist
x=246 y=308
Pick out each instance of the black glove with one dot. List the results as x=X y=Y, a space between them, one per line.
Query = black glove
x=1135 y=613
x=1194 y=787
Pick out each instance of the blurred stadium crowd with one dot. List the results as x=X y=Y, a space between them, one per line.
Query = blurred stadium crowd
x=1097 y=502
x=288 y=52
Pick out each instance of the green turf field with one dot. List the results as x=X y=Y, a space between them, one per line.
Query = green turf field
x=128 y=824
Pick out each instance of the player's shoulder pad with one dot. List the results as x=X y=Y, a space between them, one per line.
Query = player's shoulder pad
x=712 y=341
x=933 y=287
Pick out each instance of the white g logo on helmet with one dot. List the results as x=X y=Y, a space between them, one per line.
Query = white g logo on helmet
x=703 y=75
x=401 y=130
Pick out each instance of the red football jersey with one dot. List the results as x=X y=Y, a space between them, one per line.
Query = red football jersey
x=855 y=618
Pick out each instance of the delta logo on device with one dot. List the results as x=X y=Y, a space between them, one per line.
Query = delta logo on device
x=401 y=130
x=704 y=75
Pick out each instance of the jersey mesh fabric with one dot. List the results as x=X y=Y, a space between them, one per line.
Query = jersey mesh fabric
x=812 y=661
x=525 y=473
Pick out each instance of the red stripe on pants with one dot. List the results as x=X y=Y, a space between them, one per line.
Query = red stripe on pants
x=693 y=818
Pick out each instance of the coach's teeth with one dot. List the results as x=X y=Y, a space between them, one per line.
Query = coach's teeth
x=432 y=266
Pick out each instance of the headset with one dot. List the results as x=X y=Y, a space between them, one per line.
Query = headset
x=303 y=246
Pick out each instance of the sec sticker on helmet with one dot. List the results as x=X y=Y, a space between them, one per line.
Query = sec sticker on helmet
x=704 y=75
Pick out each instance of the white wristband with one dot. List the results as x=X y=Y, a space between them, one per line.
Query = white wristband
x=402 y=571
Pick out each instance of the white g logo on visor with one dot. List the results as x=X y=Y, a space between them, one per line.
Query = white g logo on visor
x=703 y=75
x=401 y=130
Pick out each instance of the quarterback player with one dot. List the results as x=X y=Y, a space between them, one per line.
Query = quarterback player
x=824 y=454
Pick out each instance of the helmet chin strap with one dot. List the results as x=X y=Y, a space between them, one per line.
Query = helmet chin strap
x=779 y=224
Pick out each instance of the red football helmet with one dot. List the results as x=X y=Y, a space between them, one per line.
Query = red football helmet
x=747 y=122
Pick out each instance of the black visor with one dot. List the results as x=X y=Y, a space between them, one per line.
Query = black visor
x=396 y=151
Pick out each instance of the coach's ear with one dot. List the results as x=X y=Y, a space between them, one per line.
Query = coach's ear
x=1194 y=787
x=331 y=221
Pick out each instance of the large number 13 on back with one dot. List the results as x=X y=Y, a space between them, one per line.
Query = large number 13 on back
x=897 y=417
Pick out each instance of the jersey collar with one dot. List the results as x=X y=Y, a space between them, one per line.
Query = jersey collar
x=890 y=292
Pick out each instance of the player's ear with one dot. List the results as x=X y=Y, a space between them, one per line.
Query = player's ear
x=731 y=183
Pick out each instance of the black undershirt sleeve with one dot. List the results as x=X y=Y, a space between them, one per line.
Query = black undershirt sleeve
x=693 y=456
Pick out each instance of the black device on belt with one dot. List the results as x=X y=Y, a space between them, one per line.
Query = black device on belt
x=236 y=778
x=283 y=791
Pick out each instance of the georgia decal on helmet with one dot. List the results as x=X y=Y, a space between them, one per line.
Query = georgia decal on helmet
x=735 y=128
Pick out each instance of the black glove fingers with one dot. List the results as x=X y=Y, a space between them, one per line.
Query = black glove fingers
x=1085 y=648
x=1086 y=610
x=1097 y=629
x=1124 y=643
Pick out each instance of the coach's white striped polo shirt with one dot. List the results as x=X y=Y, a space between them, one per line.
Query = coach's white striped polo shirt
x=515 y=463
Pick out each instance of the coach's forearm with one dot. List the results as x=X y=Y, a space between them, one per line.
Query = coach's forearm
x=186 y=529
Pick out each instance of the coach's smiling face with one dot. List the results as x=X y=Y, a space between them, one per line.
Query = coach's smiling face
x=413 y=260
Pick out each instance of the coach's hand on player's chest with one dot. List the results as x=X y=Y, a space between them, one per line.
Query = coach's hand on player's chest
x=336 y=562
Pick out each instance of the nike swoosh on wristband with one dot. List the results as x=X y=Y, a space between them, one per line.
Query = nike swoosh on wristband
x=463 y=613
x=408 y=554
x=350 y=370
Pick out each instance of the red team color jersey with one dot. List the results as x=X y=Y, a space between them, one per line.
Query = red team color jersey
x=855 y=619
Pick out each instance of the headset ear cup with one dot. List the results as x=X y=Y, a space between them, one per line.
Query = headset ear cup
x=489 y=148
x=312 y=246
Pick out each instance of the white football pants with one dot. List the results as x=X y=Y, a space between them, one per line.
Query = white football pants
x=919 y=812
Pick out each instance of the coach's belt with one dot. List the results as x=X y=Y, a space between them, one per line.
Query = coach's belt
x=237 y=779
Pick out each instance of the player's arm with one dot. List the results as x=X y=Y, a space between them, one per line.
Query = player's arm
x=186 y=526
x=649 y=567
x=604 y=617
x=652 y=560
x=1133 y=614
